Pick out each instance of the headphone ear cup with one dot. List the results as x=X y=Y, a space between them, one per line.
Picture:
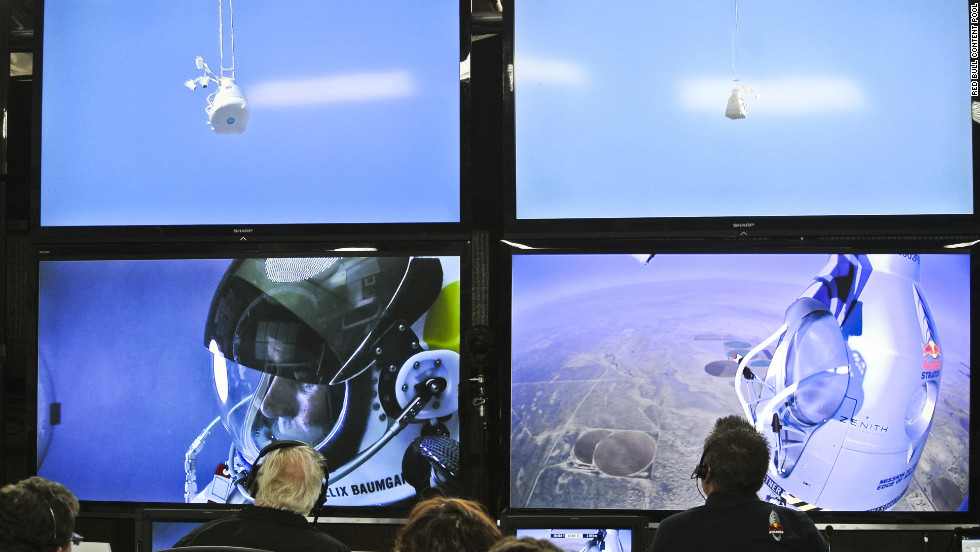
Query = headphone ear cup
x=324 y=486
x=320 y=499
x=326 y=473
x=251 y=481
x=701 y=470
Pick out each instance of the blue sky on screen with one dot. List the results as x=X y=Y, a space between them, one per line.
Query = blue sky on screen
x=354 y=113
x=128 y=336
x=541 y=279
x=862 y=108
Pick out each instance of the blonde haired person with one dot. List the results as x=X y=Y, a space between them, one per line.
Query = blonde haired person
x=286 y=482
x=290 y=479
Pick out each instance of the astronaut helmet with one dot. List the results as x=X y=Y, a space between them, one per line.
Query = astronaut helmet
x=293 y=341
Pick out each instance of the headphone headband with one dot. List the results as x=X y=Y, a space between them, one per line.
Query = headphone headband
x=54 y=525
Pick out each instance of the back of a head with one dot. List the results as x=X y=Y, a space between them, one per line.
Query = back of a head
x=290 y=479
x=36 y=515
x=525 y=544
x=441 y=524
x=737 y=454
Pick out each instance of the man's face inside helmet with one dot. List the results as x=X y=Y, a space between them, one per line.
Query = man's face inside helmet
x=289 y=339
x=274 y=391
x=260 y=407
x=297 y=410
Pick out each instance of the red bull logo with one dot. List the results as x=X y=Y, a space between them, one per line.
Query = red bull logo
x=930 y=356
x=775 y=526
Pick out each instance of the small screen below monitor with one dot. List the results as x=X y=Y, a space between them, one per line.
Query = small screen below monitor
x=167 y=533
x=619 y=533
x=576 y=540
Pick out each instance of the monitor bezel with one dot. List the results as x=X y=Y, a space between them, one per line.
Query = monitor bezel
x=470 y=443
x=735 y=226
x=249 y=230
x=842 y=519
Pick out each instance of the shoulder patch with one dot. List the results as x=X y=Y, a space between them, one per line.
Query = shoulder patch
x=775 y=526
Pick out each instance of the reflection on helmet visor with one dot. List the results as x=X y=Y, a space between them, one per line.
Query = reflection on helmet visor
x=291 y=409
x=271 y=339
x=262 y=408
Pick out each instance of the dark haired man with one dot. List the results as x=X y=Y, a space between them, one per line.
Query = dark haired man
x=732 y=470
x=37 y=515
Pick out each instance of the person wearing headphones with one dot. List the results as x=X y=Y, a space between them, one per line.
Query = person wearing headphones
x=288 y=482
x=37 y=515
x=732 y=470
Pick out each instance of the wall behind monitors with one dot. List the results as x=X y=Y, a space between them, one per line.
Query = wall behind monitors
x=622 y=363
x=620 y=112
x=164 y=369
x=354 y=113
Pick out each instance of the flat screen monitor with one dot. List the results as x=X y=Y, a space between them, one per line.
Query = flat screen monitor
x=239 y=113
x=744 y=111
x=161 y=378
x=579 y=531
x=855 y=366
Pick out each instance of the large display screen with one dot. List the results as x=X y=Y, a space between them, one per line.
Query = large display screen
x=622 y=363
x=741 y=109
x=351 y=112
x=166 y=377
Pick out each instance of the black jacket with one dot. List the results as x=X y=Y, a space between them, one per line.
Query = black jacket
x=265 y=529
x=736 y=523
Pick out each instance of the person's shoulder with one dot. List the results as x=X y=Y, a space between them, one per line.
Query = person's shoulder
x=681 y=517
x=331 y=543
x=672 y=532
x=191 y=537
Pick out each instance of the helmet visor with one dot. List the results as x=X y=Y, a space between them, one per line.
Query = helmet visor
x=262 y=406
